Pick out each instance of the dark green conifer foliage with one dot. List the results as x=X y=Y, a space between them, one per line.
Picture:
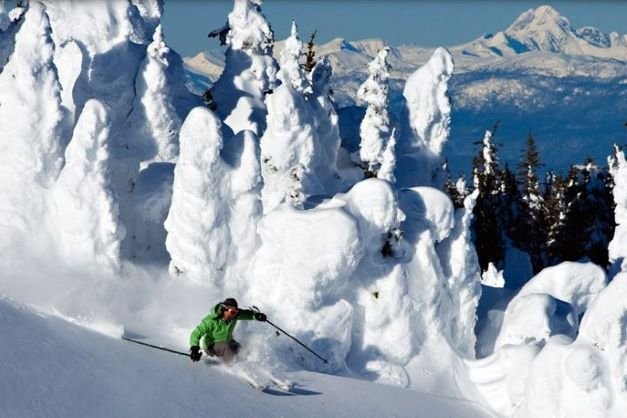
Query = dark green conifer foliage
x=310 y=55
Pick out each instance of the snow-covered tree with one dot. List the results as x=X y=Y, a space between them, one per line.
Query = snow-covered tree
x=243 y=197
x=618 y=245
x=310 y=55
x=461 y=266
x=89 y=228
x=557 y=209
x=327 y=120
x=487 y=223
x=426 y=122
x=290 y=150
x=196 y=214
x=156 y=116
x=215 y=202
x=250 y=71
x=375 y=129
x=530 y=229
x=388 y=160
x=31 y=119
x=291 y=69
x=150 y=10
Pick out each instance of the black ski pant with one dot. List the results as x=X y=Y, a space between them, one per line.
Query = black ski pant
x=226 y=350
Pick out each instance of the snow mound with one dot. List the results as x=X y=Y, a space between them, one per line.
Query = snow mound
x=533 y=318
x=586 y=377
x=574 y=283
x=502 y=377
x=305 y=261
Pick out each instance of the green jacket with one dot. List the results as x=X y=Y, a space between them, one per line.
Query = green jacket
x=213 y=329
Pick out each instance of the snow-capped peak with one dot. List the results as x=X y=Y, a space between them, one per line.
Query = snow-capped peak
x=594 y=36
x=542 y=19
x=544 y=29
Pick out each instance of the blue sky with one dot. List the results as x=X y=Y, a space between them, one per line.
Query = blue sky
x=428 y=23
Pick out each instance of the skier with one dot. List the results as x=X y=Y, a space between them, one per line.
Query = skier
x=215 y=331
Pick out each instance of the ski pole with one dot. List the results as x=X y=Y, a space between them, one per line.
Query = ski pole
x=293 y=338
x=156 y=346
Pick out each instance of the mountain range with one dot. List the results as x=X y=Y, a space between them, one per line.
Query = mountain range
x=565 y=86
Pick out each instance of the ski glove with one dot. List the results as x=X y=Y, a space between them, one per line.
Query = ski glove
x=259 y=316
x=195 y=353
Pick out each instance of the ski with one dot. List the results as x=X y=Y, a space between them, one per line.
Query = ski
x=284 y=386
x=257 y=386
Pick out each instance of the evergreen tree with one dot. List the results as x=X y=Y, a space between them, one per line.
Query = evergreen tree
x=556 y=213
x=310 y=55
x=574 y=237
x=588 y=222
x=598 y=205
x=510 y=195
x=488 y=236
x=457 y=190
x=530 y=227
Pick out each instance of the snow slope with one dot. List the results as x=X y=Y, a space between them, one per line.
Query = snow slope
x=56 y=369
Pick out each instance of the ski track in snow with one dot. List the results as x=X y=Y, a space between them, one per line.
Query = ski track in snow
x=54 y=369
